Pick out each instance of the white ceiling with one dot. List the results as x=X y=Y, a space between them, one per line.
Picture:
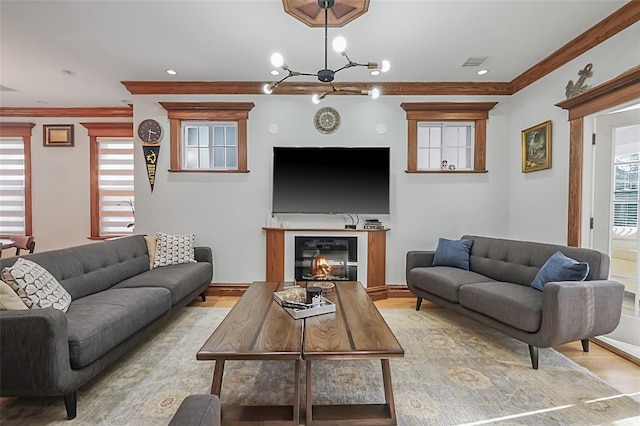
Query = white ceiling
x=106 y=42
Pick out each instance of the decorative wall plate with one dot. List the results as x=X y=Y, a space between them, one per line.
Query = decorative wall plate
x=326 y=120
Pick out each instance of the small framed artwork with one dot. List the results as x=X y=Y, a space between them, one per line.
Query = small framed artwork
x=536 y=147
x=58 y=134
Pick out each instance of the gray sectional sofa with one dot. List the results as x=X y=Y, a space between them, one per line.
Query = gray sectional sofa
x=117 y=302
x=496 y=291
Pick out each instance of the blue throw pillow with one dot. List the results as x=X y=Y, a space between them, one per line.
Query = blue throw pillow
x=452 y=253
x=560 y=268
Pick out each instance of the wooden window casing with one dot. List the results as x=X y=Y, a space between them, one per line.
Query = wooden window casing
x=207 y=111
x=97 y=130
x=478 y=112
x=23 y=130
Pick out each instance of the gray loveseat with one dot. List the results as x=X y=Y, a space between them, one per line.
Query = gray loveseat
x=496 y=291
x=117 y=302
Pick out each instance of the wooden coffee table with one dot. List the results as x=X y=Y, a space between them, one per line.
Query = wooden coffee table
x=257 y=328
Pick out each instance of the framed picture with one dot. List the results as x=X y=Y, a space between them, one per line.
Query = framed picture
x=536 y=147
x=58 y=134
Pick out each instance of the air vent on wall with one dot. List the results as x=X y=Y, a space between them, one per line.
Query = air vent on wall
x=475 y=61
x=7 y=89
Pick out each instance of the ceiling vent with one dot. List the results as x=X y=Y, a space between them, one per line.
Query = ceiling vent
x=475 y=61
x=7 y=89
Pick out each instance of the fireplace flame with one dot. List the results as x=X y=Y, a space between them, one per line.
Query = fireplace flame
x=321 y=267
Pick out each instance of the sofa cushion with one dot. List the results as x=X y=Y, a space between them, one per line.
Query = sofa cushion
x=443 y=281
x=512 y=304
x=36 y=286
x=174 y=249
x=560 y=268
x=181 y=280
x=99 y=322
x=452 y=253
x=151 y=248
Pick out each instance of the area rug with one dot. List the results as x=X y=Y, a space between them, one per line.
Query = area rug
x=455 y=371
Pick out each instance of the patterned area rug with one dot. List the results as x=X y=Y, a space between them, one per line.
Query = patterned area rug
x=455 y=371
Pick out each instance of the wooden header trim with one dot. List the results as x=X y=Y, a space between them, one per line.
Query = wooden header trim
x=208 y=106
x=16 y=129
x=66 y=112
x=625 y=87
x=109 y=129
x=622 y=18
x=447 y=110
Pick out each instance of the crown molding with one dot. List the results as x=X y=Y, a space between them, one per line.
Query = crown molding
x=66 y=112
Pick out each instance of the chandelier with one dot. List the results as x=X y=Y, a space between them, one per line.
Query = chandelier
x=327 y=75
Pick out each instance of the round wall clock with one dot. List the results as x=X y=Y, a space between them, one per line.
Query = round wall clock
x=326 y=120
x=150 y=131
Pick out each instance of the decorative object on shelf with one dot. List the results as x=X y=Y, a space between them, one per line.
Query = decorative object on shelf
x=57 y=135
x=150 y=133
x=452 y=166
x=536 y=147
x=578 y=87
x=444 y=165
x=372 y=224
x=326 y=120
x=327 y=75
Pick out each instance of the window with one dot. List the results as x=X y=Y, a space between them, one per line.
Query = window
x=208 y=136
x=625 y=190
x=210 y=145
x=112 y=179
x=451 y=131
x=445 y=145
x=15 y=178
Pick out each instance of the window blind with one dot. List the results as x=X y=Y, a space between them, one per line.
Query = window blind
x=116 y=185
x=12 y=186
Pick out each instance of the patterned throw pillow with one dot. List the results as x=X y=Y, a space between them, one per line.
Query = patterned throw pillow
x=174 y=249
x=36 y=286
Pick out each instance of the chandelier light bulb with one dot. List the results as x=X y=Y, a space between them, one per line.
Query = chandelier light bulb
x=277 y=60
x=267 y=89
x=340 y=44
x=375 y=93
x=386 y=65
x=315 y=99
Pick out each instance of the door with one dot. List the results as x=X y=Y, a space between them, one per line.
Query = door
x=616 y=201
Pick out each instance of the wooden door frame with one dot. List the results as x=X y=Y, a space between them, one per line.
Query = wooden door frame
x=614 y=92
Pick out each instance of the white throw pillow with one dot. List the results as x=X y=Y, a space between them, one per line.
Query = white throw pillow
x=174 y=249
x=36 y=286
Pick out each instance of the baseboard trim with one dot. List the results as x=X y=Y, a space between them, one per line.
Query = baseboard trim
x=376 y=293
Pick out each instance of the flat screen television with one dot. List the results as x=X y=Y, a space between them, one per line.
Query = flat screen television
x=331 y=180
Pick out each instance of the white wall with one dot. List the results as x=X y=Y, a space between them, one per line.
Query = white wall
x=227 y=211
x=538 y=201
x=60 y=185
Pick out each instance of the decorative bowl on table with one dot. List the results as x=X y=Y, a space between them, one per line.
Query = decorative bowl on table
x=327 y=287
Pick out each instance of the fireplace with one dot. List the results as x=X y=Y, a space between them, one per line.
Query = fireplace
x=326 y=258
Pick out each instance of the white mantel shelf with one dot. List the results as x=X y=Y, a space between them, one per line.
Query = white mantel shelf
x=376 y=255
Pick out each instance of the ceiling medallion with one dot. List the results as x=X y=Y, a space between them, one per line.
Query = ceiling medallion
x=342 y=12
x=326 y=120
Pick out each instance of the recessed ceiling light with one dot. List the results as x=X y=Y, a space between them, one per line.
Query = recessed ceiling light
x=41 y=101
x=275 y=72
x=68 y=72
x=482 y=72
x=172 y=72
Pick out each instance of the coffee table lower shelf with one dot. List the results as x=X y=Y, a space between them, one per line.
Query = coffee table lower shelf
x=351 y=414
x=271 y=415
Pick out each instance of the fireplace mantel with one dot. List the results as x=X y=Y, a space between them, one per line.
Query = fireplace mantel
x=376 y=255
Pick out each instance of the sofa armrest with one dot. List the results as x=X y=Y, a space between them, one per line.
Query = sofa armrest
x=579 y=310
x=418 y=258
x=34 y=359
x=204 y=254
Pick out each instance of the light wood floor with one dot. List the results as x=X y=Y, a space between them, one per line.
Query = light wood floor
x=615 y=370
